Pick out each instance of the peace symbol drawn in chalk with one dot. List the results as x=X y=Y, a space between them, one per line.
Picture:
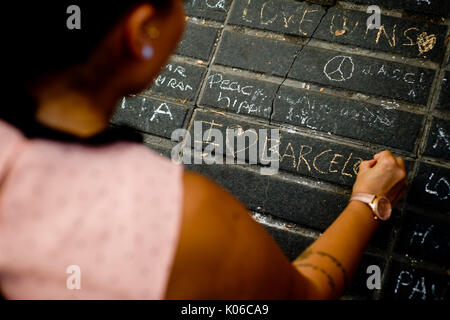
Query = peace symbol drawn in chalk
x=340 y=68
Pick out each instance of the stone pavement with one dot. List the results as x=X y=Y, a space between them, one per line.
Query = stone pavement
x=339 y=92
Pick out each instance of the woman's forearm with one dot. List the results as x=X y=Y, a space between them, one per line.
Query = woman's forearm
x=330 y=262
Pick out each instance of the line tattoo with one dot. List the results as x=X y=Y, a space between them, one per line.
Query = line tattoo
x=308 y=253
x=337 y=263
x=316 y=268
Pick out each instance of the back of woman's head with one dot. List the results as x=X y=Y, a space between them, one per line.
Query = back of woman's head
x=37 y=40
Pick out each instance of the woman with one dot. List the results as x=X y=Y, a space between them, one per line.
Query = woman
x=78 y=196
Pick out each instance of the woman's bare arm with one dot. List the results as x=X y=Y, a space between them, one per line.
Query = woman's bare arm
x=224 y=254
x=331 y=260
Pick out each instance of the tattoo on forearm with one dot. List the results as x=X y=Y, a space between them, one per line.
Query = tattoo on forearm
x=316 y=268
x=337 y=263
x=306 y=254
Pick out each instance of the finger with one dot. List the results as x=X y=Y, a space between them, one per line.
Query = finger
x=372 y=163
x=388 y=161
x=400 y=162
x=376 y=156
x=367 y=164
x=383 y=154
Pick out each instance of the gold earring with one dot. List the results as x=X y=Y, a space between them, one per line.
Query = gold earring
x=153 y=32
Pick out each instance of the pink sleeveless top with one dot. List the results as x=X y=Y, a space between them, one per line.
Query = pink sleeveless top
x=106 y=219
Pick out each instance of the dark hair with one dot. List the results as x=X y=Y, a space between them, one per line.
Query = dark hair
x=36 y=41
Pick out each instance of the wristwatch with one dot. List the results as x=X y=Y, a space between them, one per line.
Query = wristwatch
x=380 y=205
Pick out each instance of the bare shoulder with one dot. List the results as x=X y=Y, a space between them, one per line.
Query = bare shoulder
x=222 y=252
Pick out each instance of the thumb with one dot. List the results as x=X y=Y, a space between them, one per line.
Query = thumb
x=367 y=165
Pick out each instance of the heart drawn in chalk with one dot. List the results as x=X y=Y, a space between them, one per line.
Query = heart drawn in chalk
x=239 y=132
x=425 y=42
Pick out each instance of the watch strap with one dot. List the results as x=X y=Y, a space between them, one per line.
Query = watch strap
x=364 y=197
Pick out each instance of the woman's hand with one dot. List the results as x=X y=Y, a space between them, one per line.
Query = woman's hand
x=384 y=175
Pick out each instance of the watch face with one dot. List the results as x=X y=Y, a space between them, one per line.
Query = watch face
x=384 y=208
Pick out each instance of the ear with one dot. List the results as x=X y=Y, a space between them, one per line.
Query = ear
x=137 y=40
